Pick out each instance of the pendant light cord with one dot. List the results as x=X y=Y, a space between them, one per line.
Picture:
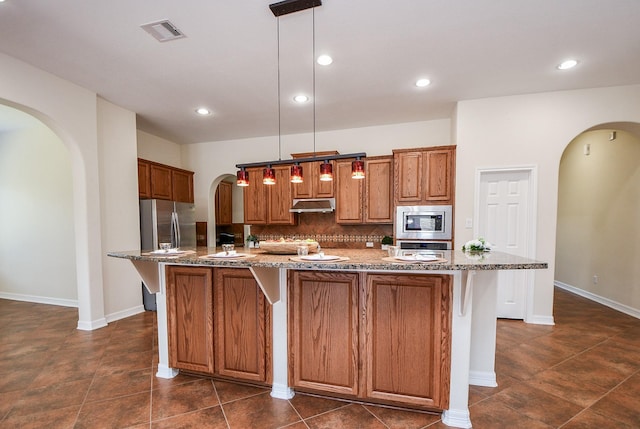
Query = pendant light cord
x=279 y=108
x=313 y=80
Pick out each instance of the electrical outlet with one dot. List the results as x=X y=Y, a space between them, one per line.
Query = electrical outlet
x=468 y=223
x=595 y=280
x=369 y=243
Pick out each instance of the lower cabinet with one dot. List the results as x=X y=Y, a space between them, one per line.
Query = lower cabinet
x=379 y=337
x=219 y=323
x=190 y=318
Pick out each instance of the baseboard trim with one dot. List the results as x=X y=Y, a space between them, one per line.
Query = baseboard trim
x=541 y=320
x=483 y=378
x=125 y=313
x=39 y=299
x=599 y=299
x=92 y=325
x=457 y=418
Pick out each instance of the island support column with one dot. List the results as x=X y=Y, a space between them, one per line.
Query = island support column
x=482 y=370
x=280 y=388
x=164 y=370
x=458 y=413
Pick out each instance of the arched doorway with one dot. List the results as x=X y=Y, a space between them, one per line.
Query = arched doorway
x=37 y=218
x=598 y=211
x=235 y=209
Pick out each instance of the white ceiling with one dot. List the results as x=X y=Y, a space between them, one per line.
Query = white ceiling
x=228 y=61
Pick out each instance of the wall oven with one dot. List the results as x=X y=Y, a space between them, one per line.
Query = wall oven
x=423 y=223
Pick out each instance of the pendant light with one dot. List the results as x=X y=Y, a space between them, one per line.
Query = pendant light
x=326 y=171
x=296 y=174
x=242 y=177
x=357 y=169
x=268 y=176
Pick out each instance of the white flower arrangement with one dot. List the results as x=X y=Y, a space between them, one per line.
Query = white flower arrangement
x=477 y=245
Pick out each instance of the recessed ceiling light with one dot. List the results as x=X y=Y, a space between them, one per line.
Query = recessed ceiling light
x=203 y=111
x=422 y=82
x=301 y=98
x=324 y=60
x=568 y=64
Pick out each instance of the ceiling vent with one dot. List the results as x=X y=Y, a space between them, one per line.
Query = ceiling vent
x=163 y=31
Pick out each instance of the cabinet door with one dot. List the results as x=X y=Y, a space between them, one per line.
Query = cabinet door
x=182 y=186
x=280 y=198
x=323 y=331
x=190 y=318
x=160 y=182
x=242 y=328
x=348 y=195
x=144 y=179
x=408 y=177
x=312 y=187
x=378 y=207
x=223 y=203
x=255 y=199
x=439 y=176
x=407 y=340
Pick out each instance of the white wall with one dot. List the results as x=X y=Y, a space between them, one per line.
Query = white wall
x=598 y=217
x=36 y=218
x=119 y=208
x=71 y=112
x=212 y=159
x=525 y=130
x=157 y=149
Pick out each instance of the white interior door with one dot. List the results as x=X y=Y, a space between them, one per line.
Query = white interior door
x=505 y=219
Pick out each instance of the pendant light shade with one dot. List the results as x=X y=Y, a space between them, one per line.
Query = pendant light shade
x=296 y=174
x=242 y=178
x=269 y=176
x=326 y=172
x=357 y=169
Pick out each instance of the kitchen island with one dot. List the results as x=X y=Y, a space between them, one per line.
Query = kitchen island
x=461 y=324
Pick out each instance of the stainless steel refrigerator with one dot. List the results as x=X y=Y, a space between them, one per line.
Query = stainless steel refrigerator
x=164 y=221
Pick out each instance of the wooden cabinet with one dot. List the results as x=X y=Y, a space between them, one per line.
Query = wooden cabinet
x=424 y=176
x=242 y=326
x=144 y=179
x=368 y=200
x=190 y=318
x=223 y=204
x=323 y=326
x=182 y=186
x=349 y=195
x=268 y=204
x=382 y=337
x=312 y=186
x=406 y=338
x=219 y=322
x=378 y=192
x=164 y=182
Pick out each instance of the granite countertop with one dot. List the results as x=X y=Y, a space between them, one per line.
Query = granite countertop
x=349 y=259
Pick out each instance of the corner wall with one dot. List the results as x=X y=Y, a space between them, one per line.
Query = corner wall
x=525 y=130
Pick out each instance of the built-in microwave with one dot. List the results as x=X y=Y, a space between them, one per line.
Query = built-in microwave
x=423 y=222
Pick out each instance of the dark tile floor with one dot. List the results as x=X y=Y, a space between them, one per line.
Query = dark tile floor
x=584 y=372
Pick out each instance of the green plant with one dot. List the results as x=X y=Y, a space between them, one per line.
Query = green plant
x=386 y=240
x=252 y=237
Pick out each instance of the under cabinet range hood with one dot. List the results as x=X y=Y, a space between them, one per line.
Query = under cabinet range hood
x=313 y=205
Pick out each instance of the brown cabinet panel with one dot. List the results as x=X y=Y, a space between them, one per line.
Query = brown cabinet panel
x=144 y=179
x=408 y=177
x=280 y=198
x=160 y=182
x=242 y=329
x=407 y=339
x=323 y=331
x=223 y=201
x=378 y=207
x=312 y=187
x=439 y=176
x=349 y=193
x=424 y=176
x=182 y=186
x=255 y=199
x=190 y=318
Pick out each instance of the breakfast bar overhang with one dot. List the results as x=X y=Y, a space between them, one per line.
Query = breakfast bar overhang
x=473 y=311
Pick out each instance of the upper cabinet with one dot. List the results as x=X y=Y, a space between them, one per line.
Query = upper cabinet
x=268 y=204
x=164 y=182
x=424 y=176
x=365 y=201
x=223 y=208
x=312 y=187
